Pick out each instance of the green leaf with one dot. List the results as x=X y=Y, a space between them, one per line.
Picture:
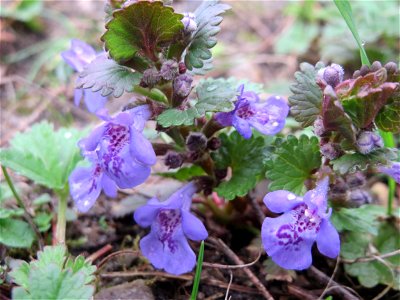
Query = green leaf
x=184 y=174
x=141 y=29
x=213 y=95
x=245 y=158
x=362 y=219
x=388 y=118
x=24 y=10
x=292 y=164
x=16 y=233
x=43 y=221
x=345 y=10
x=6 y=213
x=50 y=157
x=108 y=77
x=208 y=19
x=350 y=163
x=306 y=101
x=49 y=278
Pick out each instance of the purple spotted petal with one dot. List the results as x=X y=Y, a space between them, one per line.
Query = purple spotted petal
x=285 y=245
x=281 y=201
x=176 y=257
x=193 y=227
x=85 y=186
x=242 y=126
x=141 y=148
x=109 y=186
x=93 y=100
x=328 y=241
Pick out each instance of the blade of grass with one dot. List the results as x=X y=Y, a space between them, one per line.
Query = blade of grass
x=344 y=8
x=197 y=276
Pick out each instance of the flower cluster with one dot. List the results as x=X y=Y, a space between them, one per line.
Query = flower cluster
x=78 y=56
x=267 y=117
x=171 y=222
x=288 y=238
x=120 y=155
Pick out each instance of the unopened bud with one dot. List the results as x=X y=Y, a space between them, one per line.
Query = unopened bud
x=173 y=160
x=196 y=141
x=391 y=68
x=169 y=69
x=364 y=70
x=355 y=180
x=150 y=78
x=319 y=128
x=214 y=143
x=376 y=65
x=368 y=141
x=182 y=68
x=332 y=75
x=359 y=197
x=221 y=173
x=189 y=22
x=356 y=74
x=330 y=150
x=183 y=85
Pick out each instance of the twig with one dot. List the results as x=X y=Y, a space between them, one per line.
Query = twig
x=341 y=290
x=22 y=205
x=383 y=293
x=331 y=278
x=99 y=253
x=222 y=266
x=248 y=272
x=371 y=258
x=229 y=285
x=121 y=252
x=300 y=293
x=257 y=209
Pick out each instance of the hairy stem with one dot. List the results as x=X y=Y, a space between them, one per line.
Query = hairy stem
x=154 y=94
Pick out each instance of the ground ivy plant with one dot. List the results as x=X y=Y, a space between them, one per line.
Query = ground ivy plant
x=220 y=135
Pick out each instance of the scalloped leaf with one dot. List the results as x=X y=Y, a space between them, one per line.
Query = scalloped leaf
x=350 y=163
x=177 y=117
x=292 y=164
x=245 y=158
x=208 y=19
x=105 y=75
x=306 y=101
x=141 y=29
x=388 y=118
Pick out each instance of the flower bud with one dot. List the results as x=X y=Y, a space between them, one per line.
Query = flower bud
x=359 y=197
x=391 y=67
x=332 y=75
x=356 y=74
x=182 y=68
x=196 y=141
x=355 y=180
x=173 y=160
x=189 y=22
x=169 y=69
x=319 y=128
x=214 y=143
x=364 y=70
x=221 y=173
x=182 y=85
x=150 y=78
x=368 y=141
x=330 y=150
x=376 y=65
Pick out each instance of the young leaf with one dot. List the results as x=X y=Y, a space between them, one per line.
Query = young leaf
x=306 y=101
x=353 y=162
x=48 y=277
x=292 y=164
x=245 y=158
x=184 y=174
x=50 y=157
x=16 y=233
x=105 y=75
x=141 y=29
x=177 y=117
x=208 y=19
x=388 y=118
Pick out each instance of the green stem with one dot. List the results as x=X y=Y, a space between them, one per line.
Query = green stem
x=389 y=142
x=154 y=94
x=61 y=218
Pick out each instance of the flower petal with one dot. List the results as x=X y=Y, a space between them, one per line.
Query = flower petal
x=192 y=227
x=242 y=126
x=85 y=186
x=140 y=115
x=91 y=142
x=318 y=197
x=285 y=246
x=94 y=100
x=281 y=201
x=109 y=186
x=145 y=215
x=328 y=241
x=278 y=108
x=393 y=170
x=141 y=148
x=225 y=119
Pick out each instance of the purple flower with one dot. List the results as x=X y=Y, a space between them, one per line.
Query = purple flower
x=124 y=154
x=392 y=170
x=78 y=56
x=171 y=222
x=267 y=117
x=288 y=238
x=86 y=183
